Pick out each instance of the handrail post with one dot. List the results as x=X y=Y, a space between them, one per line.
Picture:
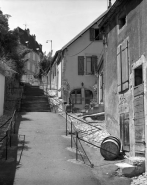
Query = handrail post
x=6 y=144
x=76 y=145
x=66 y=123
x=55 y=108
x=71 y=134
x=14 y=121
x=10 y=133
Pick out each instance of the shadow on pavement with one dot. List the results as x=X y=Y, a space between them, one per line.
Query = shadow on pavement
x=8 y=167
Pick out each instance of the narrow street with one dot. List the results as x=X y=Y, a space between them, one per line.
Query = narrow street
x=44 y=157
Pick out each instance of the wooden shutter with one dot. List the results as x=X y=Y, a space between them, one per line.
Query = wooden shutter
x=92 y=34
x=124 y=131
x=101 y=87
x=125 y=66
x=93 y=64
x=80 y=65
x=119 y=68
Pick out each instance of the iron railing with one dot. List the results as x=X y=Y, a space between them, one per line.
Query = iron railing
x=77 y=135
x=9 y=127
x=6 y=130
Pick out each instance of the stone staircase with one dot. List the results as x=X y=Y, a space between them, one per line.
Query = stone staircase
x=34 y=100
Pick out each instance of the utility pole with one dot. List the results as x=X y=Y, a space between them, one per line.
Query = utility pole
x=109 y=4
x=50 y=60
x=25 y=26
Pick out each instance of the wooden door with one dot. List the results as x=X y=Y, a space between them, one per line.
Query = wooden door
x=124 y=131
x=139 y=119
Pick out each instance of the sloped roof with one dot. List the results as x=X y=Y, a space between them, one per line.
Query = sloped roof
x=32 y=43
x=111 y=11
x=83 y=31
x=57 y=56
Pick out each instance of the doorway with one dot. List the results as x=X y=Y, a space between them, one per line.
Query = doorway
x=139 y=115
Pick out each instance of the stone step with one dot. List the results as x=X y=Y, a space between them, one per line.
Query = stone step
x=35 y=103
x=33 y=94
x=133 y=166
x=125 y=169
x=39 y=107
x=27 y=110
x=136 y=161
x=33 y=97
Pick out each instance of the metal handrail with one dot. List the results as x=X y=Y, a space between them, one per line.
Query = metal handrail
x=5 y=122
x=11 y=126
x=78 y=139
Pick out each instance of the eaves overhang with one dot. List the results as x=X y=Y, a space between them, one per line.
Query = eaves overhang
x=111 y=12
x=84 y=30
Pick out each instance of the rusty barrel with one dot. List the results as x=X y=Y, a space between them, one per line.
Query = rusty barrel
x=110 y=148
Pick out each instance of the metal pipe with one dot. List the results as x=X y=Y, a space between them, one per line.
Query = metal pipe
x=66 y=123
x=6 y=144
x=10 y=132
x=76 y=145
x=85 y=153
x=71 y=134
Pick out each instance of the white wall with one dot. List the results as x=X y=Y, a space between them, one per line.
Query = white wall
x=59 y=79
x=71 y=72
x=71 y=60
x=2 y=90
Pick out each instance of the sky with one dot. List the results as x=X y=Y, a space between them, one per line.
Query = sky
x=56 y=20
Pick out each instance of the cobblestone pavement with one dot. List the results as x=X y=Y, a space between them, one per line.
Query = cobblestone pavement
x=92 y=131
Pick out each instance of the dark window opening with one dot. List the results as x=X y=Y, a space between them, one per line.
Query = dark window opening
x=122 y=21
x=138 y=76
x=88 y=96
x=95 y=34
x=76 y=97
x=98 y=36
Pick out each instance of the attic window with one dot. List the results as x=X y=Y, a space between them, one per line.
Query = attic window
x=122 y=21
x=95 y=34
x=138 y=76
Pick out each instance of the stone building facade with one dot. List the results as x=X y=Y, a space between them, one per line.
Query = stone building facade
x=124 y=31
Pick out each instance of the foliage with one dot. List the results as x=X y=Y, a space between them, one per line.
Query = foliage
x=11 y=51
x=44 y=65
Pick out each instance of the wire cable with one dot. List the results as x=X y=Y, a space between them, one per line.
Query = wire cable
x=85 y=47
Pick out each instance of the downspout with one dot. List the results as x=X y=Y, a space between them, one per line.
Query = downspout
x=109 y=4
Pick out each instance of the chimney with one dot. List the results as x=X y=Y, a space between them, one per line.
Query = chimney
x=109 y=4
x=40 y=46
x=34 y=36
x=28 y=31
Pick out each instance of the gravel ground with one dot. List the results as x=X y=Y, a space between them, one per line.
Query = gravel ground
x=140 y=180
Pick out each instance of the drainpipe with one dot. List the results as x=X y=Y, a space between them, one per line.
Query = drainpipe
x=109 y=4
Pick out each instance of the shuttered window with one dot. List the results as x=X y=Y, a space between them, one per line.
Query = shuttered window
x=123 y=67
x=95 y=34
x=101 y=87
x=94 y=63
x=101 y=84
x=76 y=96
x=80 y=65
x=91 y=63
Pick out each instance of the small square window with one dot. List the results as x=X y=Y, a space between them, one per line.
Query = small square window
x=122 y=21
x=95 y=34
x=98 y=36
